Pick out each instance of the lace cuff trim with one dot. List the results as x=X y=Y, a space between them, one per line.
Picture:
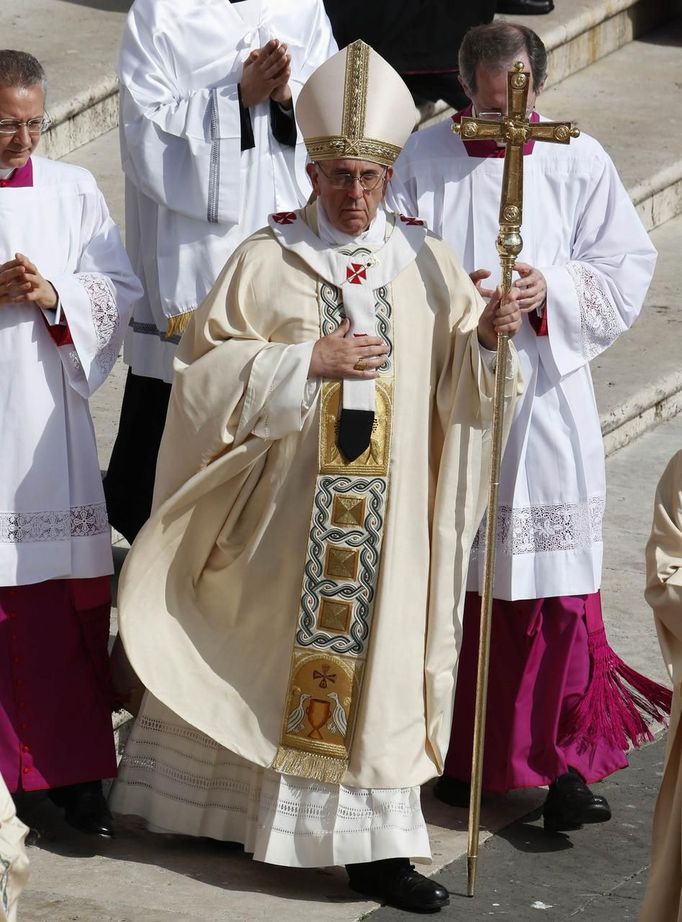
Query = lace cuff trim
x=600 y=323
x=105 y=318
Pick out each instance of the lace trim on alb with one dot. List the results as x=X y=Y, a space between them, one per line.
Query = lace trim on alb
x=538 y=529
x=55 y=525
x=105 y=318
x=600 y=323
x=217 y=779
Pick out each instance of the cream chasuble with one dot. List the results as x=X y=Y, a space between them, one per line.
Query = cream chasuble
x=13 y=857
x=663 y=897
x=230 y=576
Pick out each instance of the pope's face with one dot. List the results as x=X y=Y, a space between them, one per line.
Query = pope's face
x=491 y=89
x=19 y=104
x=339 y=186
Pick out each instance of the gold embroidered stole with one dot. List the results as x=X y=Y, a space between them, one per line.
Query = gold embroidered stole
x=340 y=574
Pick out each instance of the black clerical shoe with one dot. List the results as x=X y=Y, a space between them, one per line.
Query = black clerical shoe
x=524 y=7
x=394 y=881
x=85 y=808
x=570 y=804
x=452 y=791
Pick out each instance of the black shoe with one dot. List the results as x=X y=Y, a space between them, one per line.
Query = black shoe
x=524 y=7
x=394 y=881
x=85 y=808
x=452 y=791
x=570 y=804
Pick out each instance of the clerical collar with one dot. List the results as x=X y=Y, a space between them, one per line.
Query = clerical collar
x=489 y=148
x=374 y=234
x=22 y=176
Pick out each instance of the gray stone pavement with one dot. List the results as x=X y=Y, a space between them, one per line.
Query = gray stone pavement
x=596 y=874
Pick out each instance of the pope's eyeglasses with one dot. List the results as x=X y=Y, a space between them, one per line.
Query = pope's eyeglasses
x=34 y=126
x=368 y=180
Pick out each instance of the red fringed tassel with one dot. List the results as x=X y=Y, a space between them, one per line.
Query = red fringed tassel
x=616 y=703
x=618 y=698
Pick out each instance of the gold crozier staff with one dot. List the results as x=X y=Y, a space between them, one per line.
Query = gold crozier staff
x=514 y=131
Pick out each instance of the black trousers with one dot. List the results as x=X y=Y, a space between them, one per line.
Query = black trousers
x=129 y=481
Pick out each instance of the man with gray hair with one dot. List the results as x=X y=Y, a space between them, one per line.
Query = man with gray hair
x=583 y=273
x=66 y=292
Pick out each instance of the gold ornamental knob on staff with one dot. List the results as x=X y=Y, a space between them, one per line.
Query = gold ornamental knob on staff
x=513 y=130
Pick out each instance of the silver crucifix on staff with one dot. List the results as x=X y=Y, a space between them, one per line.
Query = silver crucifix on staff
x=514 y=130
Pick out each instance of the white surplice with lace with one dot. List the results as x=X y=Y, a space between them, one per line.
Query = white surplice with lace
x=192 y=193
x=53 y=519
x=582 y=232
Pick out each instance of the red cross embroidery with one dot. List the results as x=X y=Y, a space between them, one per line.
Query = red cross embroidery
x=284 y=217
x=406 y=219
x=356 y=273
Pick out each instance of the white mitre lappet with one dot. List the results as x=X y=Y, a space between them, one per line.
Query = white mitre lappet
x=355 y=106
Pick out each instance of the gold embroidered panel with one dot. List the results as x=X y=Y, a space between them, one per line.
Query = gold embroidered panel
x=373 y=461
x=340 y=576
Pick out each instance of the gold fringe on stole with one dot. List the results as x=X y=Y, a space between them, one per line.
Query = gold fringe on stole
x=178 y=324
x=310 y=765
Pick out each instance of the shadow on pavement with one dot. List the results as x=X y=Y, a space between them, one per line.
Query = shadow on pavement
x=218 y=864
x=108 y=6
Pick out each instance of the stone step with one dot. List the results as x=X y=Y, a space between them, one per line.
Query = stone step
x=579 y=33
x=630 y=101
x=78 y=44
x=638 y=381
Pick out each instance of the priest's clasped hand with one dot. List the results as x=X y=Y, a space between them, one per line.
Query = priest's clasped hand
x=266 y=74
x=335 y=356
x=500 y=315
x=20 y=281
x=532 y=286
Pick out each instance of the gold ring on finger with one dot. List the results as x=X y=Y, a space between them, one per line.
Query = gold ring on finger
x=360 y=365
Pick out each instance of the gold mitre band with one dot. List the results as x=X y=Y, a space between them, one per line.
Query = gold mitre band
x=355 y=106
x=339 y=148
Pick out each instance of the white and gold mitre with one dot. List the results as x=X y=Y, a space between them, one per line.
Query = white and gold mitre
x=355 y=106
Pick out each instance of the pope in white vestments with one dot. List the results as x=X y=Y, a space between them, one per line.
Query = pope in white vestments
x=663 y=897
x=209 y=148
x=13 y=858
x=584 y=271
x=66 y=293
x=293 y=605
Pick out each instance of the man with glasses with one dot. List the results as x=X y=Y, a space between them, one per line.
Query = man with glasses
x=583 y=274
x=293 y=603
x=66 y=293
